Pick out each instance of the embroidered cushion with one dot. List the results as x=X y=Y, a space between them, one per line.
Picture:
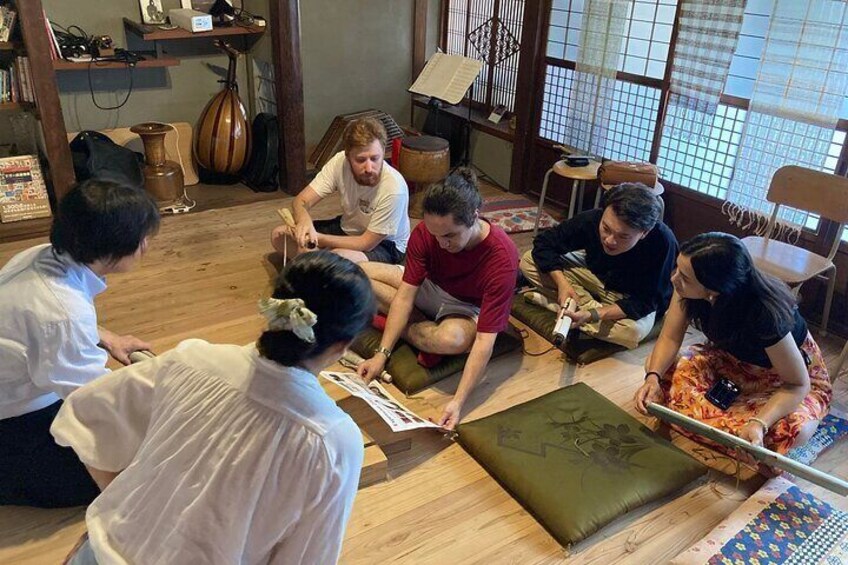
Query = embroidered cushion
x=576 y=461
x=407 y=374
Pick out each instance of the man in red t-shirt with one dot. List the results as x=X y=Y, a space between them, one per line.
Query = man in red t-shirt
x=455 y=293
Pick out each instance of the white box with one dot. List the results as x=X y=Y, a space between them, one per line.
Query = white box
x=191 y=20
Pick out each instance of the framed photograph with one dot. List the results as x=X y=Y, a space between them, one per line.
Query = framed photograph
x=152 y=12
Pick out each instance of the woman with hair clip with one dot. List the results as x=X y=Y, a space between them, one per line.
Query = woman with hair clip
x=758 y=348
x=223 y=454
x=50 y=342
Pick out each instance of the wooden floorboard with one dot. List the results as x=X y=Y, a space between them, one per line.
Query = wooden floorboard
x=202 y=277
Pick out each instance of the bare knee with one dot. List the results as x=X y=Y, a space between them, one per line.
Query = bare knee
x=453 y=339
x=352 y=255
x=278 y=237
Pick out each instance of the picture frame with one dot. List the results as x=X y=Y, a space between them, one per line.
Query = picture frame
x=152 y=12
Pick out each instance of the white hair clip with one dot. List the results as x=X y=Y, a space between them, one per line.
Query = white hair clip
x=289 y=314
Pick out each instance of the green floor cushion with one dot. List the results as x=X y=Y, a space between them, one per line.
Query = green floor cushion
x=576 y=461
x=579 y=348
x=408 y=375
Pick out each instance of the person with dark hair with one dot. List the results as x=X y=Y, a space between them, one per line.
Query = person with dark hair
x=455 y=293
x=756 y=340
x=50 y=343
x=374 y=225
x=614 y=262
x=225 y=454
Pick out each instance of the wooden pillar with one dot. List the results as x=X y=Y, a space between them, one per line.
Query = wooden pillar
x=419 y=37
x=288 y=85
x=528 y=100
x=34 y=30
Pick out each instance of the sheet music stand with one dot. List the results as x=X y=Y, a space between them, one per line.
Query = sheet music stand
x=446 y=79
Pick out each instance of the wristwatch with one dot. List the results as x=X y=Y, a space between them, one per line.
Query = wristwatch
x=384 y=351
x=595 y=315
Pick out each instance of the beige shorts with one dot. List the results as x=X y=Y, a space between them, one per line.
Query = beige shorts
x=436 y=303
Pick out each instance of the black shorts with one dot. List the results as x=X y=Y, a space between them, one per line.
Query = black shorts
x=385 y=252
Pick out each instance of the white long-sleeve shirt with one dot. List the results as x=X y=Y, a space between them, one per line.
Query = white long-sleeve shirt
x=227 y=457
x=48 y=330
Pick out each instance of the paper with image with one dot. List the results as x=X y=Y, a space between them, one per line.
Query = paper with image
x=396 y=415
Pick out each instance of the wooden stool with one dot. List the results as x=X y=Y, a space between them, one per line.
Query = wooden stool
x=658 y=189
x=423 y=160
x=577 y=174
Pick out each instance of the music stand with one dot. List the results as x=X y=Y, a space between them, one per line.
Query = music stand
x=446 y=79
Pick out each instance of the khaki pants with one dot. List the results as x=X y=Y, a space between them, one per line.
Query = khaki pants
x=591 y=294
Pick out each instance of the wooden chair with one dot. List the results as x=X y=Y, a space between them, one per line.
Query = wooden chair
x=813 y=191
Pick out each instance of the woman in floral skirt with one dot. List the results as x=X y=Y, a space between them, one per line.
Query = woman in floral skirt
x=756 y=338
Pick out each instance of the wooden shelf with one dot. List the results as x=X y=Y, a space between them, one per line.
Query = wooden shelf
x=25 y=229
x=152 y=33
x=478 y=118
x=15 y=106
x=150 y=62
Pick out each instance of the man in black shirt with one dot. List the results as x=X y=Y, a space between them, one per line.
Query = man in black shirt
x=615 y=263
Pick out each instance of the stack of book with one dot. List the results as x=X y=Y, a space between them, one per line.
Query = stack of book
x=16 y=82
x=23 y=194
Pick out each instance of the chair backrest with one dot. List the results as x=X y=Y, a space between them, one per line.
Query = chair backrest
x=813 y=191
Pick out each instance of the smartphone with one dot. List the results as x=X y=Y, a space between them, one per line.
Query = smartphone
x=723 y=393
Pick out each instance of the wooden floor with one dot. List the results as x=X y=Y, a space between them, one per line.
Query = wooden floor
x=202 y=278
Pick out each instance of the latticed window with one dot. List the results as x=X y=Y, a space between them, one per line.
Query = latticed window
x=490 y=31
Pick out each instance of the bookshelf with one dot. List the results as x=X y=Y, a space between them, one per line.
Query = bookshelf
x=35 y=44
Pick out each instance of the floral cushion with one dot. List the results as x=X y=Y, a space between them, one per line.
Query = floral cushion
x=780 y=523
x=576 y=461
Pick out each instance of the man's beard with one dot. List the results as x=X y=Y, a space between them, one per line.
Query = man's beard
x=368 y=180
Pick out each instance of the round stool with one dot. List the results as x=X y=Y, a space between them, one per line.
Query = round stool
x=577 y=174
x=423 y=160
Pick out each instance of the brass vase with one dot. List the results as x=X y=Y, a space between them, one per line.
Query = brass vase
x=163 y=179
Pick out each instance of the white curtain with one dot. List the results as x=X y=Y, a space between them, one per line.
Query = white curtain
x=707 y=33
x=591 y=100
x=798 y=93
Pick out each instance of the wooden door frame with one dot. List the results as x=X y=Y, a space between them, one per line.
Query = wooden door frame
x=288 y=88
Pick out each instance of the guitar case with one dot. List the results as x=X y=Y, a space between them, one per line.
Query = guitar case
x=262 y=172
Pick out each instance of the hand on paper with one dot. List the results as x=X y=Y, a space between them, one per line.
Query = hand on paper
x=450 y=417
x=647 y=393
x=370 y=369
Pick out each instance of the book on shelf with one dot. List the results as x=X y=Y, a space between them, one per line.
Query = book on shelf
x=7 y=22
x=23 y=193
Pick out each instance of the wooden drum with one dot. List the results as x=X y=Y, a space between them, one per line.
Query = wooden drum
x=423 y=160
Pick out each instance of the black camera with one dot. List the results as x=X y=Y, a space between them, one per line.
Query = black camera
x=723 y=393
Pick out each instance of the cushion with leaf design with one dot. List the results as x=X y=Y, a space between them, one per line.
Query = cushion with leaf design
x=576 y=461
x=407 y=374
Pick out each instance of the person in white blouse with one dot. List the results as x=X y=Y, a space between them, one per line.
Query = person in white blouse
x=50 y=343
x=222 y=454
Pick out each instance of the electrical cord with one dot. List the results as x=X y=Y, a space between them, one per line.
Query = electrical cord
x=74 y=41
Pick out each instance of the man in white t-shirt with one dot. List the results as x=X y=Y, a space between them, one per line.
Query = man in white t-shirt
x=374 y=225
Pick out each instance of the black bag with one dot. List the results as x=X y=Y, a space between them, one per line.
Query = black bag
x=96 y=156
x=262 y=171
